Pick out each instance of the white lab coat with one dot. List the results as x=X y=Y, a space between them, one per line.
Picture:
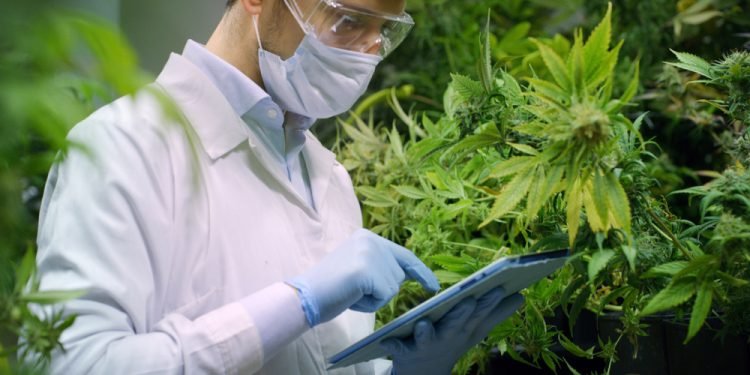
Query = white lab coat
x=168 y=226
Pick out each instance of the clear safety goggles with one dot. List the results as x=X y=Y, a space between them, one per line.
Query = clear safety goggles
x=343 y=25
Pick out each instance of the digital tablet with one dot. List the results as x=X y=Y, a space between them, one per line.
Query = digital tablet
x=513 y=273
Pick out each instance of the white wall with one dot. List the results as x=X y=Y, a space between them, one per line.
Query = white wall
x=155 y=28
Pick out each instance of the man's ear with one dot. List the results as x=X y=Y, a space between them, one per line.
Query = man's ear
x=252 y=6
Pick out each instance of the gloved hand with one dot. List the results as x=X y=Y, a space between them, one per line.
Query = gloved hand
x=434 y=349
x=363 y=274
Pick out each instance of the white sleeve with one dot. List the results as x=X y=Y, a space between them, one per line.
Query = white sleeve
x=106 y=210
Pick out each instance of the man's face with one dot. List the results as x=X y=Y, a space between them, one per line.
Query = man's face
x=342 y=27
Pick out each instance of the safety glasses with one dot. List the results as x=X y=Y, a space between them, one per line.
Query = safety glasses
x=345 y=26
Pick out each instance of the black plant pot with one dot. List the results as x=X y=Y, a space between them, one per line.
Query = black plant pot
x=583 y=334
x=662 y=352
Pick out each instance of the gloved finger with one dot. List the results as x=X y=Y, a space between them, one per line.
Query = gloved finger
x=382 y=289
x=368 y=304
x=485 y=306
x=394 y=346
x=453 y=322
x=502 y=311
x=414 y=267
x=424 y=334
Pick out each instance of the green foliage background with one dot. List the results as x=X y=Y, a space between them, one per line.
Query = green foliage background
x=468 y=91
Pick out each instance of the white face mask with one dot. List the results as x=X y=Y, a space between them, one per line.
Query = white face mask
x=318 y=81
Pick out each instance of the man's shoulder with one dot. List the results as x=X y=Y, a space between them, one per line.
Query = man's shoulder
x=140 y=118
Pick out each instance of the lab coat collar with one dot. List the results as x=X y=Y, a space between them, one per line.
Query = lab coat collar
x=214 y=120
x=220 y=130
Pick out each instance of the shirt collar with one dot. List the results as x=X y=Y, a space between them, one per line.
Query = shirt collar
x=244 y=95
x=240 y=91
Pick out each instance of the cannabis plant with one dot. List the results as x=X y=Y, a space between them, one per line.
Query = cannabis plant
x=56 y=66
x=716 y=269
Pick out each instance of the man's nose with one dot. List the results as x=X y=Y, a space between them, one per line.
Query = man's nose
x=372 y=43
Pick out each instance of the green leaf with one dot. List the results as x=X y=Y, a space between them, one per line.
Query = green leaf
x=598 y=262
x=549 y=90
x=595 y=51
x=573 y=209
x=600 y=191
x=485 y=52
x=555 y=65
x=545 y=187
x=699 y=18
x=676 y=293
x=574 y=349
x=666 y=269
x=376 y=198
x=577 y=307
x=466 y=87
x=25 y=270
x=598 y=223
x=630 y=254
x=619 y=205
x=526 y=149
x=510 y=196
x=693 y=63
x=512 y=166
x=50 y=297
x=411 y=192
x=448 y=277
x=701 y=308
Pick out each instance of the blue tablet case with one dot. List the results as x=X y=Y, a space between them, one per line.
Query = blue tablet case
x=512 y=273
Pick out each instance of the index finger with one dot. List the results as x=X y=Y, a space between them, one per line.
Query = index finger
x=414 y=268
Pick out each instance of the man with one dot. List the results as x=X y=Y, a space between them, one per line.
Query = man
x=222 y=237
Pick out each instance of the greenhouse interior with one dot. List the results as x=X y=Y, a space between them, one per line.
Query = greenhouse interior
x=375 y=187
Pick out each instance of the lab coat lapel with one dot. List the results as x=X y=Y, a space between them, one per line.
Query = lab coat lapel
x=215 y=122
x=205 y=108
x=320 y=162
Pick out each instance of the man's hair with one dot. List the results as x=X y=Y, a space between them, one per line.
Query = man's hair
x=230 y=3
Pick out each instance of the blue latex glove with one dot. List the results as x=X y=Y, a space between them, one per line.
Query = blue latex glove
x=363 y=274
x=434 y=349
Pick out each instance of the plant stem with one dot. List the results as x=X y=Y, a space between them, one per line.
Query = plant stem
x=663 y=227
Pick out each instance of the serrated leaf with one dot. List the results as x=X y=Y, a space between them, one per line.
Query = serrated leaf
x=545 y=187
x=376 y=198
x=597 y=45
x=701 y=308
x=693 y=63
x=576 y=66
x=599 y=190
x=676 y=293
x=598 y=223
x=512 y=166
x=510 y=196
x=598 y=262
x=555 y=65
x=411 y=192
x=549 y=90
x=526 y=149
x=466 y=87
x=573 y=209
x=619 y=205
x=666 y=269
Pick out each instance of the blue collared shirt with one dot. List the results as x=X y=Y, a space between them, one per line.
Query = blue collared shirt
x=283 y=133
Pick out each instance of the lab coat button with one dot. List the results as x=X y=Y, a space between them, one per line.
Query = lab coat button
x=272 y=113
